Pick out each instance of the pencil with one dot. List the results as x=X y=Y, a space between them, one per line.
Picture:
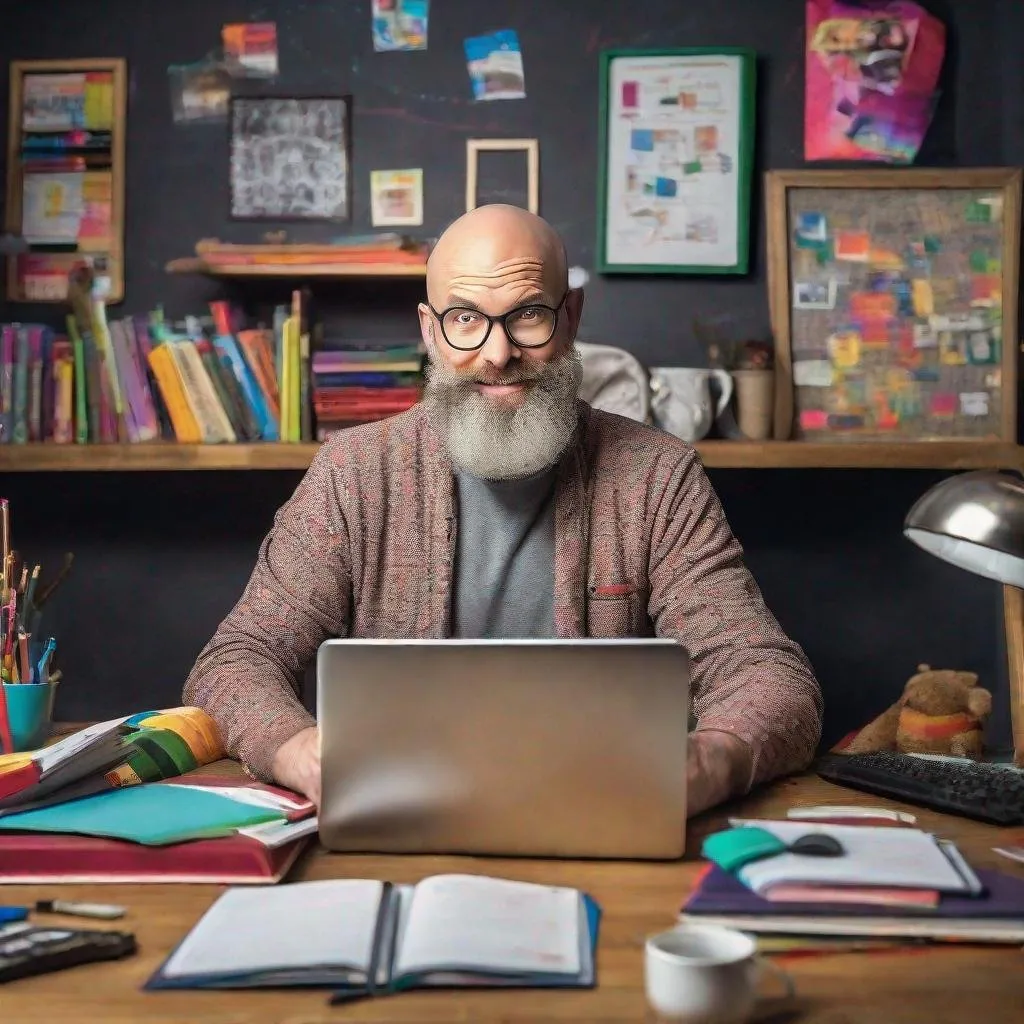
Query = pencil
x=5 y=540
x=30 y=592
x=47 y=591
x=26 y=664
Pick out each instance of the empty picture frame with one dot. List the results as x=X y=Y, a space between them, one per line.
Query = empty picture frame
x=531 y=147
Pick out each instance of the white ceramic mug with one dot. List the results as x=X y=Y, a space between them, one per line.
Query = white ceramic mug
x=681 y=399
x=705 y=973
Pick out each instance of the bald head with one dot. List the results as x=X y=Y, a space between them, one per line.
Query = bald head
x=497 y=248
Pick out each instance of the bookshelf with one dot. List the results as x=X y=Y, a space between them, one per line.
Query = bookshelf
x=66 y=175
x=170 y=456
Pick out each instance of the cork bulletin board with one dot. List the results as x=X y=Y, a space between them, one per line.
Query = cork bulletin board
x=894 y=304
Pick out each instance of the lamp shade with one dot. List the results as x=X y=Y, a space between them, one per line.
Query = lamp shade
x=974 y=521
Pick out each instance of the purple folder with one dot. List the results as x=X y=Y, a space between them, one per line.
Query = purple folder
x=720 y=893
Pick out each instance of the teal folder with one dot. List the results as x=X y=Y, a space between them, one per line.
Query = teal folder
x=153 y=815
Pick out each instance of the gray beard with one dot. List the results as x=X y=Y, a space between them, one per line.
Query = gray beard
x=494 y=441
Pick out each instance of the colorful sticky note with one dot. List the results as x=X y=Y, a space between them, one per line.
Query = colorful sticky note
x=986 y=288
x=641 y=140
x=665 y=187
x=812 y=373
x=852 y=245
x=981 y=348
x=974 y=403
x=811 y=227
x=978 y=213
x=813 y=419
x=979 y=261
x=631 y=94
x=924 y=301
x=844 y=349
x=865 y=305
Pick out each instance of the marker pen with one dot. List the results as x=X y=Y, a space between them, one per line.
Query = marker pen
x=107 y=911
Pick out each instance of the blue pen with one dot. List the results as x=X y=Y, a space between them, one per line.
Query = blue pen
x=9 y=914
x=42 y=668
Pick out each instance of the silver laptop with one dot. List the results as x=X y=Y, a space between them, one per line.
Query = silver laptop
x=540 y=748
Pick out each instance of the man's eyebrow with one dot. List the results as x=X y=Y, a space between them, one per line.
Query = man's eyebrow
x=533 y=299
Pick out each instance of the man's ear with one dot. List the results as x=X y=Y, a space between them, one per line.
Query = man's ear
x=573 y=312
x=426 y=327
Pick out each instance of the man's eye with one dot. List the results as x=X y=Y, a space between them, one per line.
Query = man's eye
x=466 y=318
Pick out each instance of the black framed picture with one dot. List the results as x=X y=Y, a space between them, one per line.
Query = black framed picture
x=291 y=158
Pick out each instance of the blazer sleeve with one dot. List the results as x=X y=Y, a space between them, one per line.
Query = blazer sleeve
x=248 y=677
x=748 y=677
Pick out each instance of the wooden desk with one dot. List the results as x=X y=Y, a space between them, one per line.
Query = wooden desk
x=936 y=985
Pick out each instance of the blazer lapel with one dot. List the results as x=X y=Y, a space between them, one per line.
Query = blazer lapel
x=572 y=537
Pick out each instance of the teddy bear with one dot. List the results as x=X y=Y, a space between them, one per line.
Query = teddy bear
x=941 y=711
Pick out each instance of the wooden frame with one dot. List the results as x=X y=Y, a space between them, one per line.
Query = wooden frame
x=19 y=69
x=474 y=147
x=742 y=168
x=1013 y=621
x=778 y=184
x=346 y=102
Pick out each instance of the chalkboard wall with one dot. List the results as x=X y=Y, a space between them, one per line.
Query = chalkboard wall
x=161 y=557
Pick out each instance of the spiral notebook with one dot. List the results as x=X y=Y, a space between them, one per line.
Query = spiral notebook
x=364 y=937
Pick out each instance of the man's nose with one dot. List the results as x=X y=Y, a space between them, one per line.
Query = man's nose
x=498 y=350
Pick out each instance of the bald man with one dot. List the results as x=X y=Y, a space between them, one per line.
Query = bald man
x=503 y=506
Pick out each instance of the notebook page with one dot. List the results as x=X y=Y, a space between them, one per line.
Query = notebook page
x=471 y=923
x=302 y=925
x=881 y=856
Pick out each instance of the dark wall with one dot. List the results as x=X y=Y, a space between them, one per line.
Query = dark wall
x=161 y=557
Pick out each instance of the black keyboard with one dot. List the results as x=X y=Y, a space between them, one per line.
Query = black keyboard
x=972 y=789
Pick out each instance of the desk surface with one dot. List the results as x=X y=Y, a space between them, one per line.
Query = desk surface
x=936 y=985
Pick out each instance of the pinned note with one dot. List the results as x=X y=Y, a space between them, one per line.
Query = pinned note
x=974 y=403
x=812 y=373
x=924 y=302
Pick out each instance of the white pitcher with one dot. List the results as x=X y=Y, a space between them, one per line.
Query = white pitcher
x=681 y=399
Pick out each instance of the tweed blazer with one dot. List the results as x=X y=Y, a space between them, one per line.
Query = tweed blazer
x=365 y=548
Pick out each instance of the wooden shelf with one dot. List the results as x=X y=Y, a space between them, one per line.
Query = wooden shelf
x=160 y=456
x=196 y=265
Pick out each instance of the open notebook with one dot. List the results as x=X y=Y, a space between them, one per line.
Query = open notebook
x=449 y=930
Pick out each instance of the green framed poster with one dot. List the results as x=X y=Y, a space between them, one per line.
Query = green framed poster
x=676 y=145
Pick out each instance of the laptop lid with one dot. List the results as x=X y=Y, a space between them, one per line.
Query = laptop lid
x=543 y=748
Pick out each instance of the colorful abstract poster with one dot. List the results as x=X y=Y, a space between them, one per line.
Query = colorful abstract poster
x=400 y=24
x=872 y=78
x=495 y=65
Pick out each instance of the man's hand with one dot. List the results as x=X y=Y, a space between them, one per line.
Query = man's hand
x=296 y=764
x=718 y=767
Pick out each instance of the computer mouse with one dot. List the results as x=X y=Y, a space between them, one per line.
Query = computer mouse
x=817 y=844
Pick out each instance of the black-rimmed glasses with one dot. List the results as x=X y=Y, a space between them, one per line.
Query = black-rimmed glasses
x=529 y=326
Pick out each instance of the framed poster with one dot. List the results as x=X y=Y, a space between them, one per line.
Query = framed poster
x=676 y=137
x=894 y=304
x=291 y=158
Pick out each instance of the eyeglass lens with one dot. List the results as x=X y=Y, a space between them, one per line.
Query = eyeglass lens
x=529 y=326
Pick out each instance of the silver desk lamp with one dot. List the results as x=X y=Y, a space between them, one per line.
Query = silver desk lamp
x=976 y=522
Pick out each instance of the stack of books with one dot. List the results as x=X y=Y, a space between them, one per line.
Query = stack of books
x=379 y=249
x=890 y=884
x=140 y=379
x=357 y=385
x=118 y=802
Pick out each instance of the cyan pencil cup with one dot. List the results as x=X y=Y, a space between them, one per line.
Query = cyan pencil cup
x=30 y=712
